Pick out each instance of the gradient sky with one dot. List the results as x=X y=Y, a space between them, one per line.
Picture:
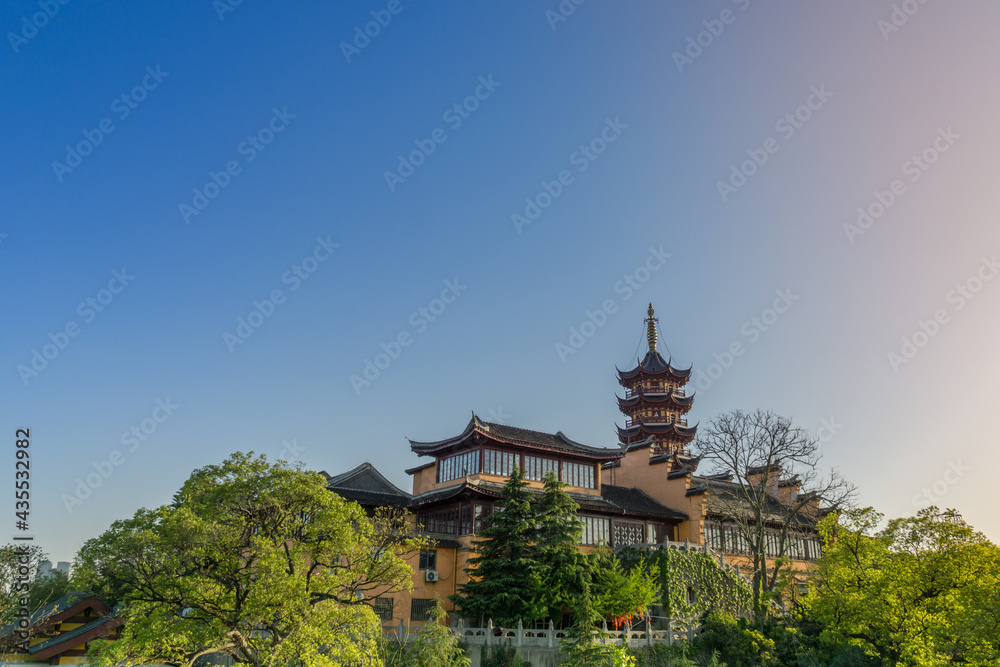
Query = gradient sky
x=891 y=92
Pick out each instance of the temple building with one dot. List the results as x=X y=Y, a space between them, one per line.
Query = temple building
x=643 y=490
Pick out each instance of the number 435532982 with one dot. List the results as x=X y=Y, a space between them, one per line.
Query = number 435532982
x=22 y=472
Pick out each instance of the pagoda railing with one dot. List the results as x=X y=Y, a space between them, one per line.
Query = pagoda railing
x=669 y=419
x=680 y=392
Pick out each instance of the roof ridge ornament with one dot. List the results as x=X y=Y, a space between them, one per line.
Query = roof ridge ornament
x=651 y=328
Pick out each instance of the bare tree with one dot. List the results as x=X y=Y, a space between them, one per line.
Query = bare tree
x=768 y=488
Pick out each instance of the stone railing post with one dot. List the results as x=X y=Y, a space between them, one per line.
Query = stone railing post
x=461 y=628
x=649 y=629
x=670 y=632
x=520 y=633
x=401 y=633
x=489 y=633
x=604 y=632
x=552 y=634
x=627 y=634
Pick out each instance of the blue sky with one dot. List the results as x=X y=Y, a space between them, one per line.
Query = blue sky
x=883 y=85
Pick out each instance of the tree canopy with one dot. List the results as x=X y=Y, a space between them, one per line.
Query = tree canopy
x=253 y=560
x=923 y=590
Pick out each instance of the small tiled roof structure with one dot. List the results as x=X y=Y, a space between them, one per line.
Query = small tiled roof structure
x=100 y=627
x=636 y=501
x=512 y=435
x=68 y=606
x=724 y=495
x=95 y=617
x=367 y=486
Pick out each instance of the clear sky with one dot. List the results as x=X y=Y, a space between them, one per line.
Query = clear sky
x=170 y=168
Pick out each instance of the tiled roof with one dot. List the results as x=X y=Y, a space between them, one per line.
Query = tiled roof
x=655 y=364
x=724 y=495
x=111 y=621
x=367 y=486
x=635 y=501
x=60 y=606
x=557 y=442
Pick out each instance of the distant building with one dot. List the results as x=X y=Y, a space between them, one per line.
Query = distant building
x=45 y=567
x=643 y=491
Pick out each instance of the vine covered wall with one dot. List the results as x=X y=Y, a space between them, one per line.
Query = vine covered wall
x=693 y=581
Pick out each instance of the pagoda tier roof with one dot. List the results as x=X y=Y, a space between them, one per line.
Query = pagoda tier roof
x=654 y=364
x=616 y=500
x=477 y=431
x=655 y=398
x=656 y=428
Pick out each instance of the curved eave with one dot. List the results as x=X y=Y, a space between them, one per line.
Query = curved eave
x=653 y=364
x=475 y=426
x=657 y=429
x=656 y=399
x=432 y=447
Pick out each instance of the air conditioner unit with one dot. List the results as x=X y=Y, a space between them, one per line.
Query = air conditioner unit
x=431 y=575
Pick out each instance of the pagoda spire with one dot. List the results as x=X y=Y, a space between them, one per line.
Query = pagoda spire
x=651 y=328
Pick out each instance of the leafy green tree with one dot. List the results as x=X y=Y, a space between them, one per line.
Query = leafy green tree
x=503 y=575
x=48 y=588
x=924 y=590
x=14 y=583
x=436 y=645
x=620 y=594
x=252 y=560
x=557 y=553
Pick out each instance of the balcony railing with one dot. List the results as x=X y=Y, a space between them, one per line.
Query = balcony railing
x=679 y=392
x=669 y=419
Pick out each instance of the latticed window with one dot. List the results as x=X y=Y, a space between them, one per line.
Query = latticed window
x=458 y=466
x=628 y=533
x=596 y=530
x=578 y=474
x=496 y=462
x=535 y=467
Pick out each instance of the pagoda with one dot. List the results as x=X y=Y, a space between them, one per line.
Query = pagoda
x=655 y=404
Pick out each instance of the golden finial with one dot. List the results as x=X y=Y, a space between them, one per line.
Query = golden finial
x=651 y=329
